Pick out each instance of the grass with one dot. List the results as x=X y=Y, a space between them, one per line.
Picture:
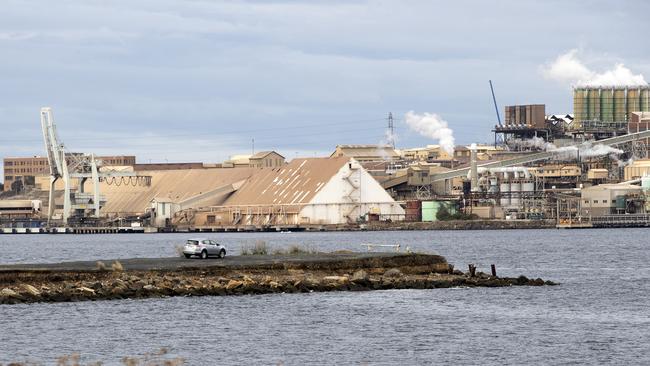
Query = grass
x=117 y=266
x=259 y=248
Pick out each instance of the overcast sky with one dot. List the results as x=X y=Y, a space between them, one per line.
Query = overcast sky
x=197 y=80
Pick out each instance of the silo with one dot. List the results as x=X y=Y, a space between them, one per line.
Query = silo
x=593 y=108
x=528 y=187
x=619 y=105
x=644 y=99
x=504 y=189
x=633 y=104
x=579 y=108
x=515 y=191
x=607 y=104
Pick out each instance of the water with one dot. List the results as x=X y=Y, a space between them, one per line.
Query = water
x=599 y=315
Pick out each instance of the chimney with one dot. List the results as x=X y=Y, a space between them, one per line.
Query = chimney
x=473 y=168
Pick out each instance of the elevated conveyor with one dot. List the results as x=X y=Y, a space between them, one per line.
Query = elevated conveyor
x=541 y=156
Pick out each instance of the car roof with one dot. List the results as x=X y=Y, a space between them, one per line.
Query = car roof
x=198 y=239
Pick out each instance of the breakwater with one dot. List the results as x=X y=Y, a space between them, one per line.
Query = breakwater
x=163 y=277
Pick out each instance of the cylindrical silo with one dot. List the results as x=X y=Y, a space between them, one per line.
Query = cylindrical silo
x=515 y=191
x=593 y=110
x=607 y=104
x=579 y=106
x=633 y=102
x=619 y=105
x=504 y=190
x=528 y=186
x=644 y=99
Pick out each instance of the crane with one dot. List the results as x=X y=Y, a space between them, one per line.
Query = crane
x=69 y=166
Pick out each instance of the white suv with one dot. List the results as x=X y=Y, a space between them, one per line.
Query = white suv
x=203 y=248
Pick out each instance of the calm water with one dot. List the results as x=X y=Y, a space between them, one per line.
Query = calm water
x=599 y=315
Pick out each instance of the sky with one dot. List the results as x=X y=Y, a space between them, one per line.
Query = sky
x=172 y=81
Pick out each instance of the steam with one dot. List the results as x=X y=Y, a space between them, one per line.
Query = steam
x=568 y=68
x=432 y=126
x=588 y=150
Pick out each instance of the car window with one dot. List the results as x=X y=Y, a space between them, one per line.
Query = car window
x=206 y=242
x=214 y=242
x=192 y=242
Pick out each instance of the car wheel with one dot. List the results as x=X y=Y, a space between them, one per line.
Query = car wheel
x=222 y=253
x=187 y=256
x=204 y=254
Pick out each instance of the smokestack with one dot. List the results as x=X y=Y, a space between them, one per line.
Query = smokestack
x=473 y=168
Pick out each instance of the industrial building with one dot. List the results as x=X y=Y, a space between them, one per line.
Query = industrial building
x=311 y=191
x=23 y=171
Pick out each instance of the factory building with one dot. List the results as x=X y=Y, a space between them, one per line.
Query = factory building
x=24 y=170
x=313 y=191
x=608 y=199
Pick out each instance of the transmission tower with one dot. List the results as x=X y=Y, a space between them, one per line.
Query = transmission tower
x=391 y=130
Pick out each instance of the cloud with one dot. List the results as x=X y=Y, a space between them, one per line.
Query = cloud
x=568 y=68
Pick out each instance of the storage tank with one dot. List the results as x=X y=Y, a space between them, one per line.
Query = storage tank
x=593 y=104
x=633 y=104
x=504 y=189
x=619 y=105
x=528 y=187
x=515 y=189
x=644 y=99
x=579 y=108
x=607 y=105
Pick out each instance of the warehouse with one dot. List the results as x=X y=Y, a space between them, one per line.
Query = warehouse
x=312 y=191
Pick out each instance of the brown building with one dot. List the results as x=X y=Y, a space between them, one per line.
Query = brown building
x=530 y=115
x=26 y=169
x=266 y=159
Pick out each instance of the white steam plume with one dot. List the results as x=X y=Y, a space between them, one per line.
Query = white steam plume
x=432 y=126
x=568 y=68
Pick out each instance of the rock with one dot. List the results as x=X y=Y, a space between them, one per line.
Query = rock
x=7 y=292
x=360 y=276
x=86 y=291
x=31 y=290
x=521 y=280
x=149 y=287
x=96 y=285
x=393 y=272
x=233 y=284
x=339 y=279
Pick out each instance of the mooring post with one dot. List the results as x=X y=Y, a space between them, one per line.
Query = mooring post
x=494 y=270
x=472 y=270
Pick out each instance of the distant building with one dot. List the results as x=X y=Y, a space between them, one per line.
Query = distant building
x=303 y=192
x=262 y=159
x=607 y=199
x=266 y=159
x=22 y=171
x=363 y=153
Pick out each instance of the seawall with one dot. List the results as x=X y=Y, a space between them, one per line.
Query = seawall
x=163 y=277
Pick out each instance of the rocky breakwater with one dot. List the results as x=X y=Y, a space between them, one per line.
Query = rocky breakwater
x=267 y=274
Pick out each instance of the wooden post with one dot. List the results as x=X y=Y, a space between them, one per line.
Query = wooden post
x=472 y=270
x=494 y=270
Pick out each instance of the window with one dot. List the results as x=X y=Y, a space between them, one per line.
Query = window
x=595 y=201
x=604 y=201
x=586 y=201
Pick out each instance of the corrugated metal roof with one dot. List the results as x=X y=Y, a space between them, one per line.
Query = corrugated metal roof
x=295 y=183
x=175 y=185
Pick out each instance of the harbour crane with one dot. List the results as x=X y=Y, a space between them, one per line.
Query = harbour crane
x=71 y=166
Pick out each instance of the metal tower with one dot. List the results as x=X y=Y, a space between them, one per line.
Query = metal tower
x=391 y=130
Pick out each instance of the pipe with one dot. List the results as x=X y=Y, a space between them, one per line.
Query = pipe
x=473 y=170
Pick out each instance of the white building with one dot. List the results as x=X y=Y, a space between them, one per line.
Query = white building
x=308 y=191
